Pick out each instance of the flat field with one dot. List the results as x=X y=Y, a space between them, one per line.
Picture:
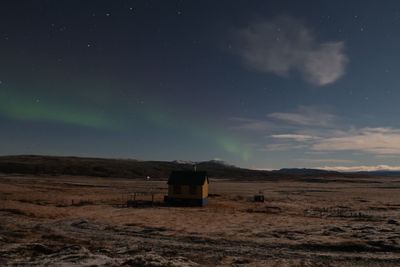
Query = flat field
x=84 y=221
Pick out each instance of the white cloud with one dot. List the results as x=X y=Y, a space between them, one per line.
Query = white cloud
x=305 y=115
x=371 y=140
x=361 y=168
x=311 y=129
x=378 y=141
x=326 y=64
x=295 y=137
x=284 y=44
x=327 y=160
x=277 y=121
x=283 y=146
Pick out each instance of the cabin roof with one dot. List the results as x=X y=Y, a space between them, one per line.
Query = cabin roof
x=188 y=178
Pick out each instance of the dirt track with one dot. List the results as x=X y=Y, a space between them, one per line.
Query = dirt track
x=67 y=221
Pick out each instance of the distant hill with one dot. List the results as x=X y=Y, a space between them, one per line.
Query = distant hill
x=304 y=171
x=136 y=169
x=123 y=168
x=380 y=173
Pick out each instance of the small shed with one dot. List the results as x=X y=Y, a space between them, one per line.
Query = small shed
x=188 y=188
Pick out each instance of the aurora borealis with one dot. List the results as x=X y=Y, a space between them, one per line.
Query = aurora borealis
x=60 y=112
x=20 y=109
x=261 y=84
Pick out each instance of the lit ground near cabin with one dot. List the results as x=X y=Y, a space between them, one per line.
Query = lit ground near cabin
x=75 y=221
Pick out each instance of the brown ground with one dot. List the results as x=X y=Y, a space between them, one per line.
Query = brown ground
x=75 y=221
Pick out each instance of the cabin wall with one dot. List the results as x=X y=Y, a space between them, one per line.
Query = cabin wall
x=205 y=190
x=185 y=192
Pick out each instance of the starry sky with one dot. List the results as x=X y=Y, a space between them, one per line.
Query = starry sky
x=258 y=84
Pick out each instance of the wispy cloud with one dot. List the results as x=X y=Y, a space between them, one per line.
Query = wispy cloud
x=286 y=44
x=305 y=115
x=295 y=137
x=316 y=131
x=326 y=160
x=377 y=141
x=276 y=121
x=371 y=140
x=283 y=146
x=361 y=168
x=251 y=124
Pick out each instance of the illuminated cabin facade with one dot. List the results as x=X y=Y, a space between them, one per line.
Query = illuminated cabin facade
x=188 y=188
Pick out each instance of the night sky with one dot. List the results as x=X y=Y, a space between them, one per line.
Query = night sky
x=258 y=84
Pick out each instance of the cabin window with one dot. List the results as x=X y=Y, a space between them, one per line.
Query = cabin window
x=192 y=189
x=177 y=189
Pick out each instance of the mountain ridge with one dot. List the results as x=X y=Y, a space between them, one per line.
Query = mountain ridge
x=137 y=169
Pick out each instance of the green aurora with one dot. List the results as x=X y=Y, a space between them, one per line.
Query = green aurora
x=28 y=108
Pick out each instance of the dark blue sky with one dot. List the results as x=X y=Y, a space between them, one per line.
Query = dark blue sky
x=260 y=84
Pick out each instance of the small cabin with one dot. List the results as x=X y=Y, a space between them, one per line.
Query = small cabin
x=188 y=188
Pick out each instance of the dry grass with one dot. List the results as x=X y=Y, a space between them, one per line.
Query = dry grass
x=82 y=221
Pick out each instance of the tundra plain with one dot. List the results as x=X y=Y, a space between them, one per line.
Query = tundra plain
x=84 y=221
